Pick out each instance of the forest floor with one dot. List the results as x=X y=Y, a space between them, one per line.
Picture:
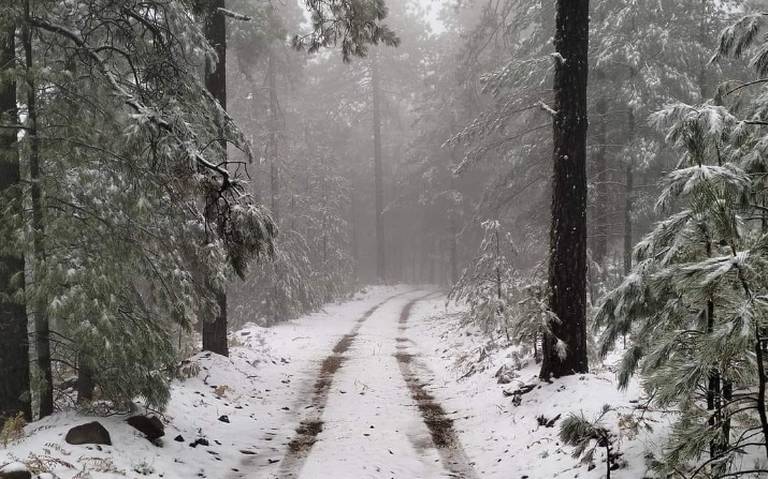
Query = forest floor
x=386 y=385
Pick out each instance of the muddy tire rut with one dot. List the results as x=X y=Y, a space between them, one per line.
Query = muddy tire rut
x=440 y=435
x=312 y=424
x=441 y=427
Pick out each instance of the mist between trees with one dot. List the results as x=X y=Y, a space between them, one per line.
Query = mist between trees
x=584 y=176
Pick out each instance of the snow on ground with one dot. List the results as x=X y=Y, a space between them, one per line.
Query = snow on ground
x=505 y=440
x=365 y=389
x=257 y=389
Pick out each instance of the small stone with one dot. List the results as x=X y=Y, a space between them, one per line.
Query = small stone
x=200 y=441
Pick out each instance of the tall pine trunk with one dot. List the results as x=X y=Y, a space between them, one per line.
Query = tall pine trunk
x=568 y=240
x=14 y=344
x=215 y=332
x=453 y=212
x=381 y=272
x=42 y=326
x=629 y=185
x=274 y=172
x=454 y=246
x=85 y=382
x=601 y=206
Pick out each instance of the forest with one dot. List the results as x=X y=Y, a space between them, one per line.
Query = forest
x=413 y=239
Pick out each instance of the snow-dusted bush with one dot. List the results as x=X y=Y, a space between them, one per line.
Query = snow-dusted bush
x=502 y=300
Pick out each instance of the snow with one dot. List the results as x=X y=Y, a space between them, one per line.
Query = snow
x=501 y=437
x=559 y=57
x=370 y=411
x=13 y=467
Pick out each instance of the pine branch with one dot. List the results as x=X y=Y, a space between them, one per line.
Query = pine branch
x=127 y=97
x=546 y=108
x=235 y=15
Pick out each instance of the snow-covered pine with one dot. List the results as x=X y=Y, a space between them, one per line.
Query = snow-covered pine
x=691 y=306
x=501 y=301
x=140 y=217
x=486 y=284
x=588 y=437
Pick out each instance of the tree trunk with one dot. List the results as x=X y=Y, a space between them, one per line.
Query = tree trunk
x=714 y=401
x=629 y=180
x=453 y=212
x=377 y=170
x=274 y=174
x=600 y=215
x=14 y=344
x=353 y=226
x=761 y=391
x=215 y=30
x=454 y=247
x=500 y=311
x=568 y=241
x=215 y=332
x=85 y=383
x=42 y=326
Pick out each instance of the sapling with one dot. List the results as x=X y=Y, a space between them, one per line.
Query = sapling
x=587 y=436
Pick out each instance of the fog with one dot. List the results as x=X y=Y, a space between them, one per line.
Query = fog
x=383 y=238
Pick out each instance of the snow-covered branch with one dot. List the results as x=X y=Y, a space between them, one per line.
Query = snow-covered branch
x=235 y=15
x=546 y=108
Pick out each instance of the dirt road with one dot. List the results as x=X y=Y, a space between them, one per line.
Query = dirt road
x=367 y=411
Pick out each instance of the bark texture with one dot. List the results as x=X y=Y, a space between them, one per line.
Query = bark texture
x=378 y=173
x=274 y=118
x=568 y=239
x=629 y=185
x=42 y=326
x=215 y=30
x=601 y=211
x=14 y=345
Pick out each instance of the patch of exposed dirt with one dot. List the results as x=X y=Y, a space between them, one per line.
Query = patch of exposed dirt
x=343 y=345
x=404 y=358
x=306 y=436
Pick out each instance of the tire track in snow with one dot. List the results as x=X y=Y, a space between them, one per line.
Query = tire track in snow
x=444 y=437
x=312 y=424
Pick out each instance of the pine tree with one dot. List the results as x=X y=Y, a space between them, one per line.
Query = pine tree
x=41 y=321
x=116 y=301
x=567 y=266
x=691 y=303
x=378 y=173
x=215 y=30
x=14 y=351
x=488 y=284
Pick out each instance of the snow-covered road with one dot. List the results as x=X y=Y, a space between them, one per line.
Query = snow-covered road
x=386 y=385
x=367 y=414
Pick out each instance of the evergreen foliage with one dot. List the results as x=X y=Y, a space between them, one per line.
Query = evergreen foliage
x=692 y=303
x=500 y=299
x=139 y=217
x=487 y=284
x=586 y=437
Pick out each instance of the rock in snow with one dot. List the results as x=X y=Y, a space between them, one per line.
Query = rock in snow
x=14 y=470
x=151 y=426
x=89 y=433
